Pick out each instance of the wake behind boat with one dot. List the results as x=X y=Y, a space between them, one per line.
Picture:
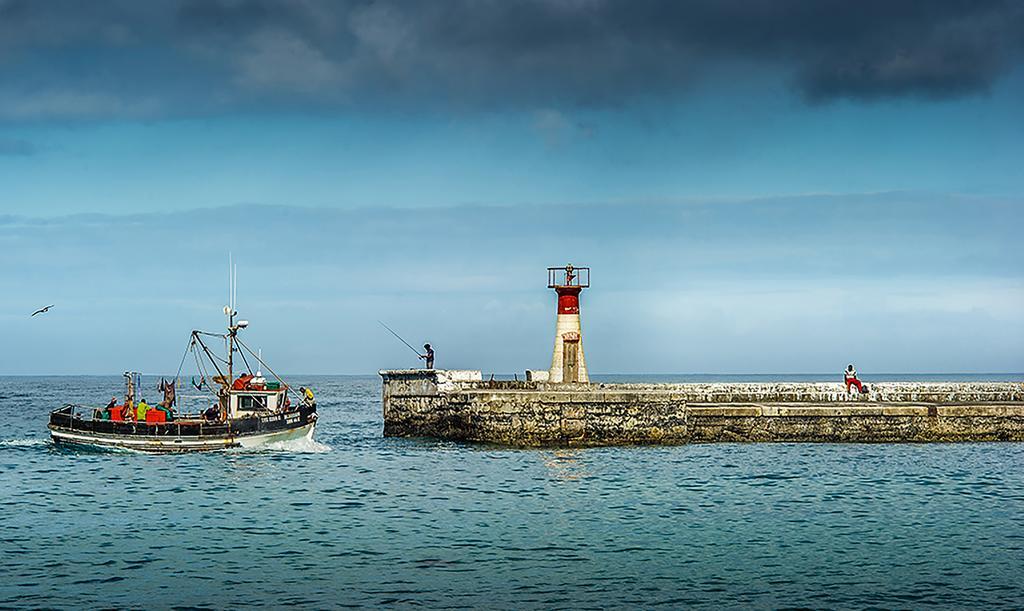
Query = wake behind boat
x=248 y=412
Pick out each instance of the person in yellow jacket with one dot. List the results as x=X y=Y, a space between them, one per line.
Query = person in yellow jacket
x=307 y=396
x=140 y=411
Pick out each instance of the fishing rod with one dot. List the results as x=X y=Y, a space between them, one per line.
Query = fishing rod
x=399 y=337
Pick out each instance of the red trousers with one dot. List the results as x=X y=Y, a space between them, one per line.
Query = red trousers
x=854 y=382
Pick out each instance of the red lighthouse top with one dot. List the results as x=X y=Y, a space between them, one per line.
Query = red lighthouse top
x=568 y=276
x=568 y=281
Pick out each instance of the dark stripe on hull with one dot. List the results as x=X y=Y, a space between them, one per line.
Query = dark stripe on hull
x=176 y=436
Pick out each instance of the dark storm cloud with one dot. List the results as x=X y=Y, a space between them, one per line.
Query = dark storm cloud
x=145 y=59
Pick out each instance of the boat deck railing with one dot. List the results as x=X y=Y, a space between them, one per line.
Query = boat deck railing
x=85 y=413
x=67 y=418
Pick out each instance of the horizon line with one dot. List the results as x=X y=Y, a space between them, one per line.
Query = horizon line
x=649 y=373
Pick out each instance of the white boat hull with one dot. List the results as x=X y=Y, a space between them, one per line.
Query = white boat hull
x=165 y=444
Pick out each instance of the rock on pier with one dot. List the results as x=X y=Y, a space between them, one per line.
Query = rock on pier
x=459 y=405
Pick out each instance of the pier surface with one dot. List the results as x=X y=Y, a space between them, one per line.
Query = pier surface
x=458 y=405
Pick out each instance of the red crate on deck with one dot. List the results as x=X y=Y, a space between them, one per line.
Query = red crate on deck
x=156 y=415
x=117 y=413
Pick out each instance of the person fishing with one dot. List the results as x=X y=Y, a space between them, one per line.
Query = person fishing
x=850 y=377
x=429 y=356
x=307 y=396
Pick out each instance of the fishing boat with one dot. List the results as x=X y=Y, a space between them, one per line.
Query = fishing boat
x=248 y=411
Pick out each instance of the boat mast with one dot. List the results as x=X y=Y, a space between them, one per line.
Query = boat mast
x=229 y=311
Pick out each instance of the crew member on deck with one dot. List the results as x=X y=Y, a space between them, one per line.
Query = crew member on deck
x=168 y=411
x=307 y=396
x=140 y=411
x=429 y=356
x=242 y=382
x=107 y=413
x=850 y=377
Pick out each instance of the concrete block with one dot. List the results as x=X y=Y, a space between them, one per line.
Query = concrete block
x=824 y=411
x=724 y=410
x=905 y=410
x=980 y=410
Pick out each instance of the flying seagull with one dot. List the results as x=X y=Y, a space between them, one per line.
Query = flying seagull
x=42 y=310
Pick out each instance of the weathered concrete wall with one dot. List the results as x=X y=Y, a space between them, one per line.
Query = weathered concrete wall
x=441 y=404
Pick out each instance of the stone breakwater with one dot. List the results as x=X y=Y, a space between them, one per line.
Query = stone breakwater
x=458 y=405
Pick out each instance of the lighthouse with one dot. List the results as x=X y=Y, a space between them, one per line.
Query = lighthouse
x=567 y=363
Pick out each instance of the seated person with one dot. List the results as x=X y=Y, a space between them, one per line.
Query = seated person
x=850 y=377
x=212 y=414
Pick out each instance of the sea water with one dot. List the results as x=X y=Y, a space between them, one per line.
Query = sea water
x=355 y=519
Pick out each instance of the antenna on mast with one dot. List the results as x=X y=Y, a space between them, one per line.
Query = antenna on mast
x=229 y=311
x=230 y=305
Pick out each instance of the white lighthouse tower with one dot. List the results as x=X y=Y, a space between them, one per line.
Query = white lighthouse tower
x=567 y=363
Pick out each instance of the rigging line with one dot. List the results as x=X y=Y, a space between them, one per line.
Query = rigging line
x=182 y=363
x=260 y=361
x=195 y=353
x=244 y=360
x=208 y=378
x=209 y=385
x=208 y=352
x=213 y=356
x=203 y=375
x=199 y=369
x=210 y=355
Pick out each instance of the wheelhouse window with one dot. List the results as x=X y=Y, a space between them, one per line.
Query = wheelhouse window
x=250 y=403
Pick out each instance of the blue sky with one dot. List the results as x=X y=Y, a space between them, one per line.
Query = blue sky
x=759 y=187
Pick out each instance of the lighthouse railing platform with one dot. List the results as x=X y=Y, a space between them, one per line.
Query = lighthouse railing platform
x=568 y=276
